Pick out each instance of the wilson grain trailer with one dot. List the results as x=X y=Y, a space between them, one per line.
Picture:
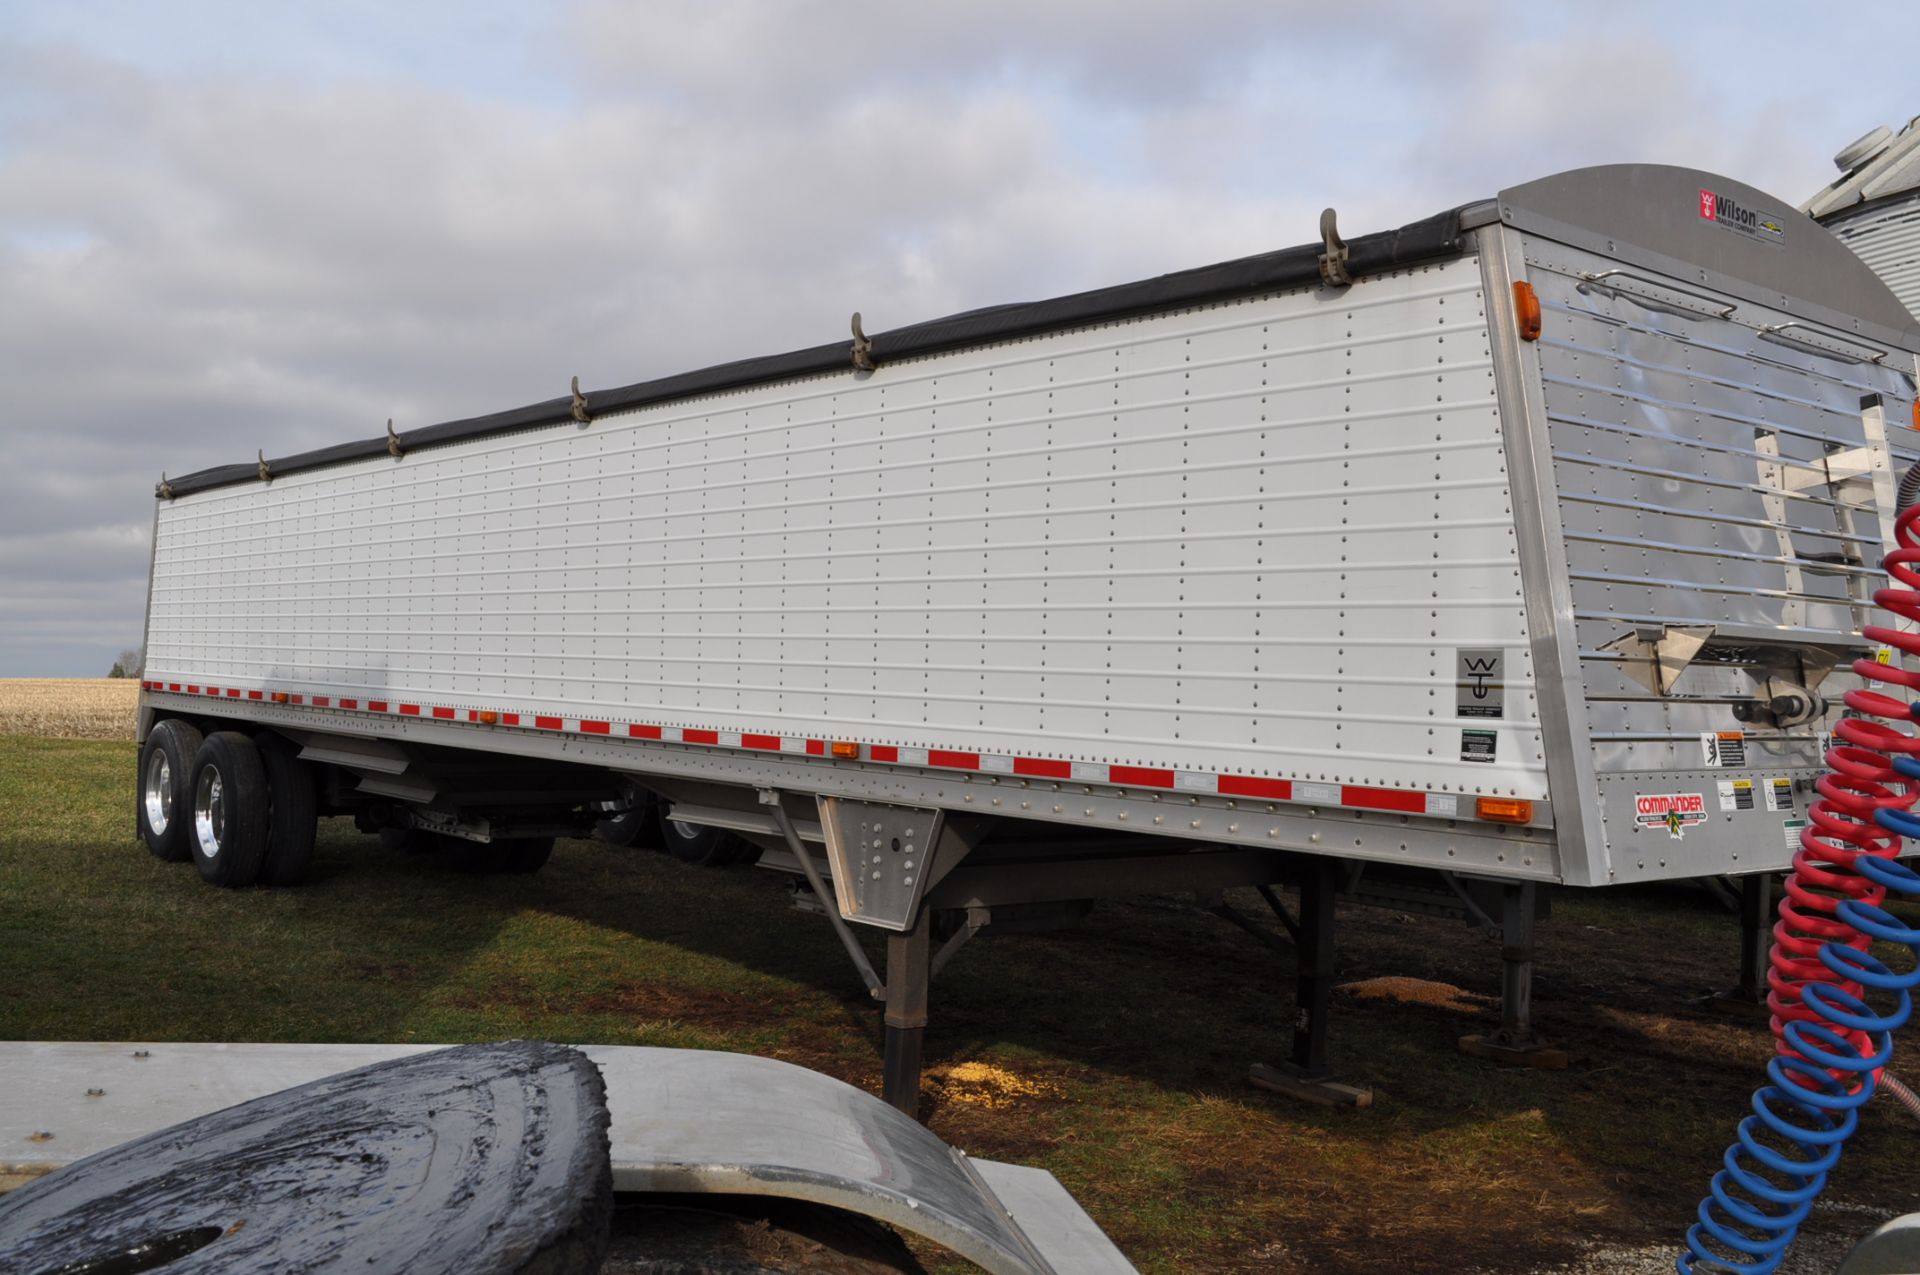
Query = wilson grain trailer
x=1527 y=544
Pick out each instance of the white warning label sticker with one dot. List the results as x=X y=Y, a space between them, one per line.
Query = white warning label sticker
x=1736 y=794
x=1674 y=811
x=1779 y=794
x=1723 y=748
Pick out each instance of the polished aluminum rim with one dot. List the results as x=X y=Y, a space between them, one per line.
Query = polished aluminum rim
x=210 y=812
x=157 y=792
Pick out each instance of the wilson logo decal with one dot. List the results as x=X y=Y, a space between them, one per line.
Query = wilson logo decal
x=1740 y=219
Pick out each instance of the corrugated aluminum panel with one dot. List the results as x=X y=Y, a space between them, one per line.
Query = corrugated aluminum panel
x=1253 y=536
x=1888 y=239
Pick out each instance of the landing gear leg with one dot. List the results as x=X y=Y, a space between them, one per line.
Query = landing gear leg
x=908 y=973
x=1516 y=1043
x=1306 y=1074
x=1749 y=999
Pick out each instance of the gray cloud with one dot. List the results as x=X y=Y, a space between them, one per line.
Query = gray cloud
x=198 y=260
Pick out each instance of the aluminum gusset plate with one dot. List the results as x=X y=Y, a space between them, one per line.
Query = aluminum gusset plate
x=882 y=857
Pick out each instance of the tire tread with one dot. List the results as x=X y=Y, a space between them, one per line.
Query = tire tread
x=238 y=863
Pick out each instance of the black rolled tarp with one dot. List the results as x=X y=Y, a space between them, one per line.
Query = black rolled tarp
x=1431 y=239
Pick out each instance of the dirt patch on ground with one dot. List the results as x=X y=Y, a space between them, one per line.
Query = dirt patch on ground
x=1429 y=1214
x=708 y=1008
x=665 y=1234
x=1461 y=1165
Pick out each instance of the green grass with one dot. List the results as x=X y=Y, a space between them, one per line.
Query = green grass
x=1140 y=1024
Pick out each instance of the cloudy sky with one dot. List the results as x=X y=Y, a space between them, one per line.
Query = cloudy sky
x=233 y=226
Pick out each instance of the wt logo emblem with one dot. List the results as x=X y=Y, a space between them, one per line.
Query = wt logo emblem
x=1479 y=670
x=1480 y=689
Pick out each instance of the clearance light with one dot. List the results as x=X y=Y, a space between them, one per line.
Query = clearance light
x=279 y=697
x=1916 y=413
x=1503 y=809
x=846 y=750
x=488 y=717
x=1526 y=311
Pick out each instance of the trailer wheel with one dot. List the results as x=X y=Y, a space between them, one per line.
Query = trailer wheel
x=293 y=813
x=166 y=763
x=699 y=845
x=229 y=810
x=638 y=827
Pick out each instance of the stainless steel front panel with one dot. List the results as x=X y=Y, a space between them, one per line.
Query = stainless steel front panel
x=1718 y=477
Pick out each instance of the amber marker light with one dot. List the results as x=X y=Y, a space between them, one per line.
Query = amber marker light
x=1526 y=311
x=1916 y=413
x=488 y=717
x=845 y=750
x=279 y=697
x=1503 y=809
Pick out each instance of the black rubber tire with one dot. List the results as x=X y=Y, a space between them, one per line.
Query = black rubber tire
x=488 y=1159
x=292 y=815
x=701 y=846
x=638 y=828
x=229 y=760
x=172 y=743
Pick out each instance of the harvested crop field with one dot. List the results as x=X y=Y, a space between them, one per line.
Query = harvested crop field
x=1113 y=1054
x=68 y=707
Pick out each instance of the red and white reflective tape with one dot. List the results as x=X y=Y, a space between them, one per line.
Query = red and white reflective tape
x=1407 y=801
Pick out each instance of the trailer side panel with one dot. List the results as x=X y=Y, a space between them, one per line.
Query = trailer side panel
x=1254 y=538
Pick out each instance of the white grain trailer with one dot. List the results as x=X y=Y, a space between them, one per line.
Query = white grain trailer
x=1526 y=544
